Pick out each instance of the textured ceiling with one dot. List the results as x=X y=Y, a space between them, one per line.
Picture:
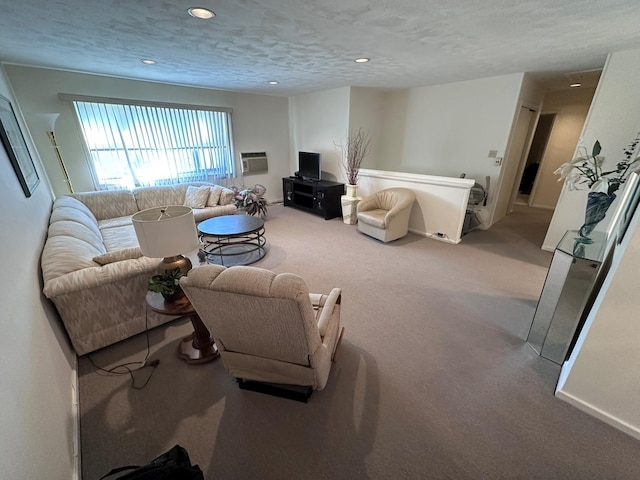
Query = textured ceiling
x=310 y=45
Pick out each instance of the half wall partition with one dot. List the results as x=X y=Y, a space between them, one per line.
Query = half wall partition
x=441 y=202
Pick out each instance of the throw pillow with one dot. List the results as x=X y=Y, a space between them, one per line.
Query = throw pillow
x=214 y=196
x=226 y=196
x=196 y=197
x=118 y=255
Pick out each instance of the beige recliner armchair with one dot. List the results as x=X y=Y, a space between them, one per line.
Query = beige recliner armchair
x=385 y=214
x=268 y=328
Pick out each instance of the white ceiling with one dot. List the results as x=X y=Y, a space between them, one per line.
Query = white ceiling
x=310 y=45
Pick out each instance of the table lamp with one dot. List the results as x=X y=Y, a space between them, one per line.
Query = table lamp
x=46 y=122
x=167 y=232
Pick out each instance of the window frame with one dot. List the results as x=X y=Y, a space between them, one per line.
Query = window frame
x=214 y=174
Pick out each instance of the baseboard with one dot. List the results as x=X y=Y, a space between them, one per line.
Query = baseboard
x=599 y=414
x=75 y=420
x=435 y=236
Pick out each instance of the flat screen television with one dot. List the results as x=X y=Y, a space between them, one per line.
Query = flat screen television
x=309 y=166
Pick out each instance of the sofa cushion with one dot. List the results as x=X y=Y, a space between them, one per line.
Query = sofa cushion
x=226 y=196
x=375 y=217
x=63 y=254
x=109 y=204
x=71 y=202
x=74 y=215
x=196 y=197
x=214 y=196
x=115 y=222
x=70 y=228
x=118 y=255
x=150 y=197
x=118 y=238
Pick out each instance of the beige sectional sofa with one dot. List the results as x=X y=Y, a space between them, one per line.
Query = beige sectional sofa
x=92 y=267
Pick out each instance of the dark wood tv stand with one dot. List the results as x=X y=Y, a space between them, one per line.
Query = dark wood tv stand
x=321 y=197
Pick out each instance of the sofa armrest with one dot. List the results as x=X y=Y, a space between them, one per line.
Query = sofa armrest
x=200 y=214
x=390 y=215
x=329 y=326
x=331 y=301
x=96 y=276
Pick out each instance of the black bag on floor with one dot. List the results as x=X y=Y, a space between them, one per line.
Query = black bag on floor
x=172 y=465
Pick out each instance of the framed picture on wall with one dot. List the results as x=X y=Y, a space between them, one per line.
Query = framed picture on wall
x=17 y=151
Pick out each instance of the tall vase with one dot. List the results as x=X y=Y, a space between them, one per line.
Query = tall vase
x=597 y=205
x=350 y=205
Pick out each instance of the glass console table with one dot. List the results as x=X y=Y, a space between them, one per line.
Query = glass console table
x=572 y=282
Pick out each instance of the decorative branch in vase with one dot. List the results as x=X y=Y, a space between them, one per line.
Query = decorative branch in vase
x=353 y=154
x=602 y=185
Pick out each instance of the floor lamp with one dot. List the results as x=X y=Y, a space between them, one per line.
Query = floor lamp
x=67 y=180
x=46 y=122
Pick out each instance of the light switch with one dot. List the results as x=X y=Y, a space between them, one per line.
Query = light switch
x=493 y=153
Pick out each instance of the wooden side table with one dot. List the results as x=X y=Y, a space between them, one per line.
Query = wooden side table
x=196 y=348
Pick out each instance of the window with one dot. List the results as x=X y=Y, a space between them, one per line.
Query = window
x=132 y=145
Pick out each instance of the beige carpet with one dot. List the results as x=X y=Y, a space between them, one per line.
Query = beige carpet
x=434 y=379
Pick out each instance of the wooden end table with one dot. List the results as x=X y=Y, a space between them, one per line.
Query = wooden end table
x=196 y=348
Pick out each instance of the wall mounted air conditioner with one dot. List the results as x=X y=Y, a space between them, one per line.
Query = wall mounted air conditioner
x=254 y=162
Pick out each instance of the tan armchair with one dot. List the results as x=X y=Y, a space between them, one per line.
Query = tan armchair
x=268 y=327
x=385 y=214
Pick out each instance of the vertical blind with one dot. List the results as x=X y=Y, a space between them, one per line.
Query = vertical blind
x=142 y=145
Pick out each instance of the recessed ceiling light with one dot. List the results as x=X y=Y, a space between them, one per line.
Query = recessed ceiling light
x=147 y=61
x=361 y=60
x=200 y=12
x=573 y=85
x=273 y=82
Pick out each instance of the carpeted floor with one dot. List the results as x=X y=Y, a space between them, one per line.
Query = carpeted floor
x=434 y=378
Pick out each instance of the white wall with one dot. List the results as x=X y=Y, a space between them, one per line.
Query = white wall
x=570 y=108
x=391 y=146
x=440 y=131
x=446 y=130
x=260 y=122
x=602 y=375
x=614 y=120
x=532 y=93
x=36 y=362
x=366 y=111
x=525 y=118
x=320 y=121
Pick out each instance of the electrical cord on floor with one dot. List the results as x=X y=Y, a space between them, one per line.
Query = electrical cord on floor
x=126 y=368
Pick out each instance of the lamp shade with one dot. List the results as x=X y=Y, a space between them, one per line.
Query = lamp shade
x=165 y=231
x=44 y=122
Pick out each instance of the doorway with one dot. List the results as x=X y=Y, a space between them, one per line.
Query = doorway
x=534 y=158
x=514 y=161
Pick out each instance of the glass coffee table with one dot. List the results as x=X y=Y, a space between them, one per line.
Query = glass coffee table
x=233 y=239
